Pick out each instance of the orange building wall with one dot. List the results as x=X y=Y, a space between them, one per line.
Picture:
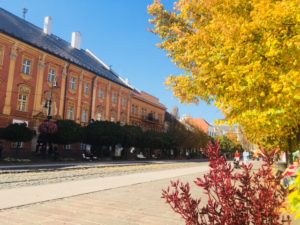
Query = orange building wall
x=152 y=105
x=199 y=123
x=40 y=89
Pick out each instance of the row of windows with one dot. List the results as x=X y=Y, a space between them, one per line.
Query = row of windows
x=73 y=85
x=99 y=115
x=23 y=99
x=26 y=69
x=71 y=114
x=101 y=92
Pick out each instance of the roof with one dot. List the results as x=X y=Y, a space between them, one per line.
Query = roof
x=22 y=30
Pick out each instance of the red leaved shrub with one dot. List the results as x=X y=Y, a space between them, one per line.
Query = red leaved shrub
x=241 y=197
x=48 y=127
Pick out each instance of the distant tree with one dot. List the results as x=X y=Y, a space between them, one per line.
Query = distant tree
x=17 y=133
x=132 y=137
x=103 y=133
x=198 y=138
x=68 y=132
x=153 y=140
x=227 y=145
x=182 y=138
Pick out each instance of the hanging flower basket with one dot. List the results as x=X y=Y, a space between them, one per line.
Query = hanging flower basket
x=48 y=127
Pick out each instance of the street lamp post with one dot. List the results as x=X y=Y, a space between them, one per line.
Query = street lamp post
x=49 y=101
x=49 y=105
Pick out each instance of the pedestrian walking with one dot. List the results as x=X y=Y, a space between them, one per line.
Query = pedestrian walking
x=245 y=156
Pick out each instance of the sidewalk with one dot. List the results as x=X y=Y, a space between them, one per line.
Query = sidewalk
x=34 y=194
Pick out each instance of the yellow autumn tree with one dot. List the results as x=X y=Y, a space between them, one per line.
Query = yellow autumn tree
x=243 y=55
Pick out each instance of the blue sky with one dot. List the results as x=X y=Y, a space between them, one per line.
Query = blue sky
x=117 y=32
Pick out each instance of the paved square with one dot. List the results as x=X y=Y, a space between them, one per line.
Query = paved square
x=139 y=204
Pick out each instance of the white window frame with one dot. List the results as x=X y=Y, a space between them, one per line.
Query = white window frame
x=134 y=109
x=84 y=115
x=51 y=75
x=114 y=98
x=124 y=102
x=73 y=83
x=23 y=102
x=144 y=112
x=86 y=88
x=101 y=93
x=26 y=66
x=70 y=112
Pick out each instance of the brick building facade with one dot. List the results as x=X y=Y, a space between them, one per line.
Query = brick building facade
x=42 y=74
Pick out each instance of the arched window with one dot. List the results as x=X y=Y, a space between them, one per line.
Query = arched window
x=23 y=98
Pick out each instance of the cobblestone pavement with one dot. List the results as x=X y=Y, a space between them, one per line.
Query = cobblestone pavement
x=12 y=179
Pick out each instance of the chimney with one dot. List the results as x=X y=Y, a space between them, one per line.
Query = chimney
x=76 y=40
x=48 y=25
